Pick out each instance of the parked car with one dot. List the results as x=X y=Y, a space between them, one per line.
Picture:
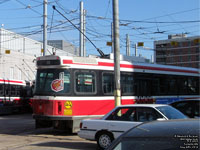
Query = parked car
x=188 y=107
x=160 y=135
x=122 y=118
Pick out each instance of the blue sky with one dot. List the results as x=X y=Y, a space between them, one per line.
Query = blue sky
x=144 y=21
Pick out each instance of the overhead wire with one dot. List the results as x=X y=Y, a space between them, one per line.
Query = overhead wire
x=28 y=7
x=95 y=24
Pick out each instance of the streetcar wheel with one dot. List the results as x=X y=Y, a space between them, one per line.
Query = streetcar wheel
x=104 y=139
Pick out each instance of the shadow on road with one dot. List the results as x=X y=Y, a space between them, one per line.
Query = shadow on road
x=23 y=125
x=16 y=124
x=69 y=145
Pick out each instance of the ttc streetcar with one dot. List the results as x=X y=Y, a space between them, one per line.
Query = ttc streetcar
x=15 y=96
x=69 y=89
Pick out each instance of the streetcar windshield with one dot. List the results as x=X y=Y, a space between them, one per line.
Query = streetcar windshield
x=52 y=82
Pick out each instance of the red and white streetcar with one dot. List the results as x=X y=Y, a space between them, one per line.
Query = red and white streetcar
x=69 y=89
x=14 y=96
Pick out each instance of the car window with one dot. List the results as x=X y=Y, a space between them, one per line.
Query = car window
x=171 y=113
x=123 y=114
x=196 y=109
x=147 y=114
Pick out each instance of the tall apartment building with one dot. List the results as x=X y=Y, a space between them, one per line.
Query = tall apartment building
x=178 y=50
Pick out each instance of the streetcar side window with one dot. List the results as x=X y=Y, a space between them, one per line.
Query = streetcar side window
x=7 y=90
x=172 y=85
x=193 y=85
x=127 y=84
x=108 y=83
x=85 y=82
x=1 y=90
x=163 y=85
x=15 y=90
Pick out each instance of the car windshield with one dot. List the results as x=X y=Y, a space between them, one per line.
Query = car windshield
x=171 y=113
x=52 y=82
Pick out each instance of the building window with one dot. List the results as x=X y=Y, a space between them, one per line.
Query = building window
x=197 y=57
x=19 y=74
x=180 y=58
x=189 y=43
x=171 y=59
x=11 y=72
x=189 y=58
x=197 y=50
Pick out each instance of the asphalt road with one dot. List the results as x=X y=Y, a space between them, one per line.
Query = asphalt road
x=17 y=132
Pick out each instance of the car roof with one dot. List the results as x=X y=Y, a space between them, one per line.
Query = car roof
x=143 y=105
x=178 y=130
x=167 y=128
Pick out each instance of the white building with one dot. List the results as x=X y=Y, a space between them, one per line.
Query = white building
x=17 y=65
x=17 y=55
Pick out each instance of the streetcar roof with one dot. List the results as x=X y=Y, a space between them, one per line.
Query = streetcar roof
x=108 y=64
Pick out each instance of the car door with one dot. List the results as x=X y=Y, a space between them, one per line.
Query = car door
x=122 y=120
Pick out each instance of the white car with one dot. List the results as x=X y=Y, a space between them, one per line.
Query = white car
x=122 y=118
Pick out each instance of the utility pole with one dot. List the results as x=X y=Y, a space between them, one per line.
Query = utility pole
x=117 y=91
x=81 y=29
x=112 y=38
x=136 y=49
x=84 y=31
x=24 y=45
x=127 y=45
x=44 y=27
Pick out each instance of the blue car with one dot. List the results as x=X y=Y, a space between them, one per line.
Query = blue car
x=160 y=135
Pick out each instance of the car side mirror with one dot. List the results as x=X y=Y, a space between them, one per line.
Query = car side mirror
x=160 y=119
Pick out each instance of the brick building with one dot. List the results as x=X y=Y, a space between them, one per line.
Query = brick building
x=178 y=50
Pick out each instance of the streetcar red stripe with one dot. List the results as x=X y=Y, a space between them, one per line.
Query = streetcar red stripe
x=17 y=99
x=107 y=64
x=78 y=108
x=65 y=61
x=11 y=81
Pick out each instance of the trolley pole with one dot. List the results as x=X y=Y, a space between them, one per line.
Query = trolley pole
x=44 y=27
x=117 y=91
